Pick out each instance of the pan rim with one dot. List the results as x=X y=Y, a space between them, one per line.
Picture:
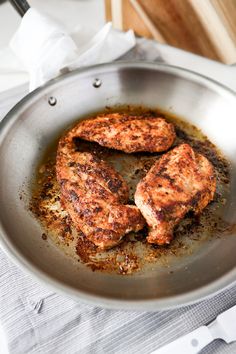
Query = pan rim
x=173 y=301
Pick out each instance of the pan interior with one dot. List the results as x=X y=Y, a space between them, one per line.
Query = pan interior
x=134 y=254
x=34 y=124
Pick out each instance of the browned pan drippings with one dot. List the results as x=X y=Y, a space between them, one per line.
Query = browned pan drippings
x=134 y=254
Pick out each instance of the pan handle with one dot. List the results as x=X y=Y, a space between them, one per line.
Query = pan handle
x=21 y=6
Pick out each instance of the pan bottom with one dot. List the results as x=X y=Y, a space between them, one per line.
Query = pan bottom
x=134 y=254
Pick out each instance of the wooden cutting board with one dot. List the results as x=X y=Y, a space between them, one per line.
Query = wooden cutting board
x=203 y=27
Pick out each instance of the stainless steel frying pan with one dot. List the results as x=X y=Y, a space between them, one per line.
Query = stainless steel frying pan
x=33 y=123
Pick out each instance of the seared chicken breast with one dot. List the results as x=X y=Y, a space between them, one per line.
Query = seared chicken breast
x=180 y=181
x=128 y=133
x=94 y=195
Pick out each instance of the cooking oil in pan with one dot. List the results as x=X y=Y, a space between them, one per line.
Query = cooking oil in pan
x=134 y=253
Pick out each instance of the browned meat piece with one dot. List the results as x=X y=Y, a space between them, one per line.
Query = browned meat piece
x=180 y=181
x=128 y=133
x=94 y=195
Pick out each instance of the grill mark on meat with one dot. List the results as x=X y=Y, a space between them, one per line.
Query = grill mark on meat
x=182 y=180
x=160 y=215
x=114 y=185
x=128 y=133
x=91 y=189
x=73 y=196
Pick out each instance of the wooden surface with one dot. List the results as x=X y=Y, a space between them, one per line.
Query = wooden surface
x=198 y=26
x=226 y=9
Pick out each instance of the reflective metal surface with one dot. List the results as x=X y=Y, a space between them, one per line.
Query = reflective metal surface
x=35 y=122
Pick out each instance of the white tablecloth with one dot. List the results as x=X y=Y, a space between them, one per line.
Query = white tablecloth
x=37 y=320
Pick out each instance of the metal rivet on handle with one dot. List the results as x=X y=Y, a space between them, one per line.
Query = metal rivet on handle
x=52 y=101
x=97 y=83
x=194 y=342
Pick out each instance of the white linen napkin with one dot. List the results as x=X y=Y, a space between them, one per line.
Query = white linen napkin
x=38 y=321
x=45 y=48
